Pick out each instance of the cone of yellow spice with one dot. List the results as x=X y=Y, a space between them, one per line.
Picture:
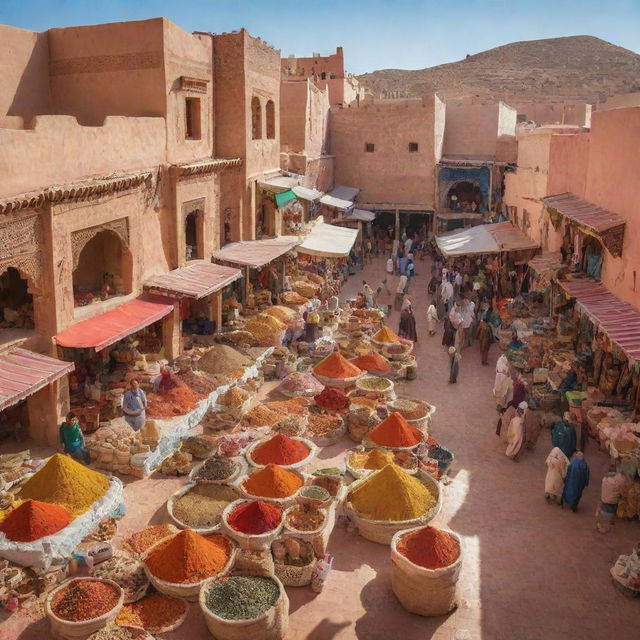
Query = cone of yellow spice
x=391 y=495
x=66 y=482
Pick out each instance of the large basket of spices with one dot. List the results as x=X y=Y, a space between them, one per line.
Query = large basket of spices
x=394 y=433
x=385 y=336
x=298 y=384
x=361 y=462
x=288 y=452
x=324 y=428
x=81 y=606
x=272 y=483
x=179 y=565
x=116 y=632
x=398 y=351
x=425 y=567
x=305 y=521
x=336 y=371
x=218 y=470
x=234 y=402
x=374 y=364
x=293 y=561
x=140 y=542
x=416 y=412
x=244 y=606
x=390 y=500
x=126 y=571
x=382 y=387
x=253 y=524
x=199 y=507
x=155 y=613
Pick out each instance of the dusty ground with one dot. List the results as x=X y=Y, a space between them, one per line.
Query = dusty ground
x=531 y=570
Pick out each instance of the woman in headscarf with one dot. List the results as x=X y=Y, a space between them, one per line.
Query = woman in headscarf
x=454 y=365
x=368 y=294
x=432 y=319
x=485 y=338
x=407 y=328
x=449 y=334
x=516 y=433
x=557 y=464
x=577 y=480
x=400 y=291
x=502 y=385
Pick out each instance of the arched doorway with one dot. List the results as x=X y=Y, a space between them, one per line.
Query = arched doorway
x=193 y=235
x=104 y=269
x=16 y=302
x=464 y=196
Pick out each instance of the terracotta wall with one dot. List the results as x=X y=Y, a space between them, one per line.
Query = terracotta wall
x=391 y=173
x=470 y=129
x=120 y=145
x=108 y=69
x=621 y=101
x=294 y=99
x=570 y=112
x=306 y=67
x=24 y=75
x=569 y=163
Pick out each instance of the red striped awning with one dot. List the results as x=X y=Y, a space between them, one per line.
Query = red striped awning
x=584 y=213
x=103 y=330
x=23 y=372
x=197 y=280
x=615 y=317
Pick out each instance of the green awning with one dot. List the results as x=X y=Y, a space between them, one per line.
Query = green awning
x=284 y=197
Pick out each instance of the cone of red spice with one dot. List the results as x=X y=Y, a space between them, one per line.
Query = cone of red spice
x=336 y=366
x=429 y=547
x=33 y=520
x=188 y=557
x=281 y=450
x=372 y=362
x=332 y=399
x=395 y=431
x=255 y=517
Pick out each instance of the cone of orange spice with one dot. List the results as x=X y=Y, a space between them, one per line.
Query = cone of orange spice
x=385 y=335
x=272 y=482
x=395 y=431
x=336 y=366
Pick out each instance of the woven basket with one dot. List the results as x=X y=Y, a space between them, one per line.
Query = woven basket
x=370 y=444
x=271 y=625
x=186 y=591
x=426 y=592
x=422 y=423
x=138 y=633
x=292 y=576
x=382 y=531
x=338 y=383
x=241 y=469
x=288 y=530
x=282 y=502
x=358 y=472
x=181 y=525
x=331 y=437
x=387 y=392
x=81 y=629
x=247 y=541
x=297 y=466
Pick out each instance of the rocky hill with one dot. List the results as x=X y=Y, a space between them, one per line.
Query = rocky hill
x=575 y=67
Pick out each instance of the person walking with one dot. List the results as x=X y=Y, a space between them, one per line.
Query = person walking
x=432 y=319
x=384 y=297
x=485 y=338
x=454 y=365
x=407 y=328
x=563 y=435
x=516 y=433
x=401 y=288
x=368 y=294
x=446 y=293
x=134 y=406
x=502 y=384
x=449 y=333
x=577 y=480
x=557 y=464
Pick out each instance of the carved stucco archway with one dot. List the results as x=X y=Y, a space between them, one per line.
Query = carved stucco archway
x=20 y=248
x=79 y=239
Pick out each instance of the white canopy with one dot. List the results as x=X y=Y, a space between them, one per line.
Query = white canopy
x=467 y=242
x=306 y=194
x=360 y=214
x=344 y=193
x=328 y=241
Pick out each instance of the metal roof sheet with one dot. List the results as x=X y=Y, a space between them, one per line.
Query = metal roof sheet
x=344 y=193
x=197 y=280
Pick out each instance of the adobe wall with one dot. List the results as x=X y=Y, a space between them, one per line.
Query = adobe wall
x=569 y=112
x=24 y=74
x=306 y=67
x=391 y=174
x=120 y=145
x=470 y=129
x=568 y=163
x=319 y=173
x=191 y=56
x=620 y=101
x=108 y=69
x=294 y=97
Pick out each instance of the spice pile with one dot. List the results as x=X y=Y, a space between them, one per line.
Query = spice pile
x=299 y=406
x=272 y=482
x=155 y=613
x=373 y=459
x=395 y=431
x=216 y=469
x=222 y=360
x=177 y=464
x=260 y=416
x=300 y=384
x=65 y=482
x=281 y=450
x=319 y=425
x=391 y=494
x=305 y=518
x=336 y=366
x=33 y=520
x=255 y=517
x=188 y=557
x=386 y=336
x=114 y=632
x=234 y=398
x=411 y=409
x=81 y=600
x=200 y=382
x=198 y=446
x=218 y=421
x=143 y=540
x=332 y=399
x=202 y=506
x=373 y=363
x=265 y=329
x=430 y=548
x=175 y=402
x=242 y=597
x=371 y=383
x=126 y=572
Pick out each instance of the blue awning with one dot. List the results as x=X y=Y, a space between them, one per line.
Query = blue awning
x=284 y=197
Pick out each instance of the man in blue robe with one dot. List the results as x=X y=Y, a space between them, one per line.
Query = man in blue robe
x=576 y=481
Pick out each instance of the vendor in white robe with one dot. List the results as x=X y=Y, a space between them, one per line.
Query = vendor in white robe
x=516 y=433
x=432 y=319
x=557 y=464
x=503 y=385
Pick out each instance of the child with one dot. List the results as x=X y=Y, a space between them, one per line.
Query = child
x=72 y=440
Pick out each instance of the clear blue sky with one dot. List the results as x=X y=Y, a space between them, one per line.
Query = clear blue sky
x=375 y=34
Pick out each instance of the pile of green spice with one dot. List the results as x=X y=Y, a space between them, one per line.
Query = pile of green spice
x=114 y=632
x=242 y=597
x=315 y=493
x=216 y=469
x=81 y=600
